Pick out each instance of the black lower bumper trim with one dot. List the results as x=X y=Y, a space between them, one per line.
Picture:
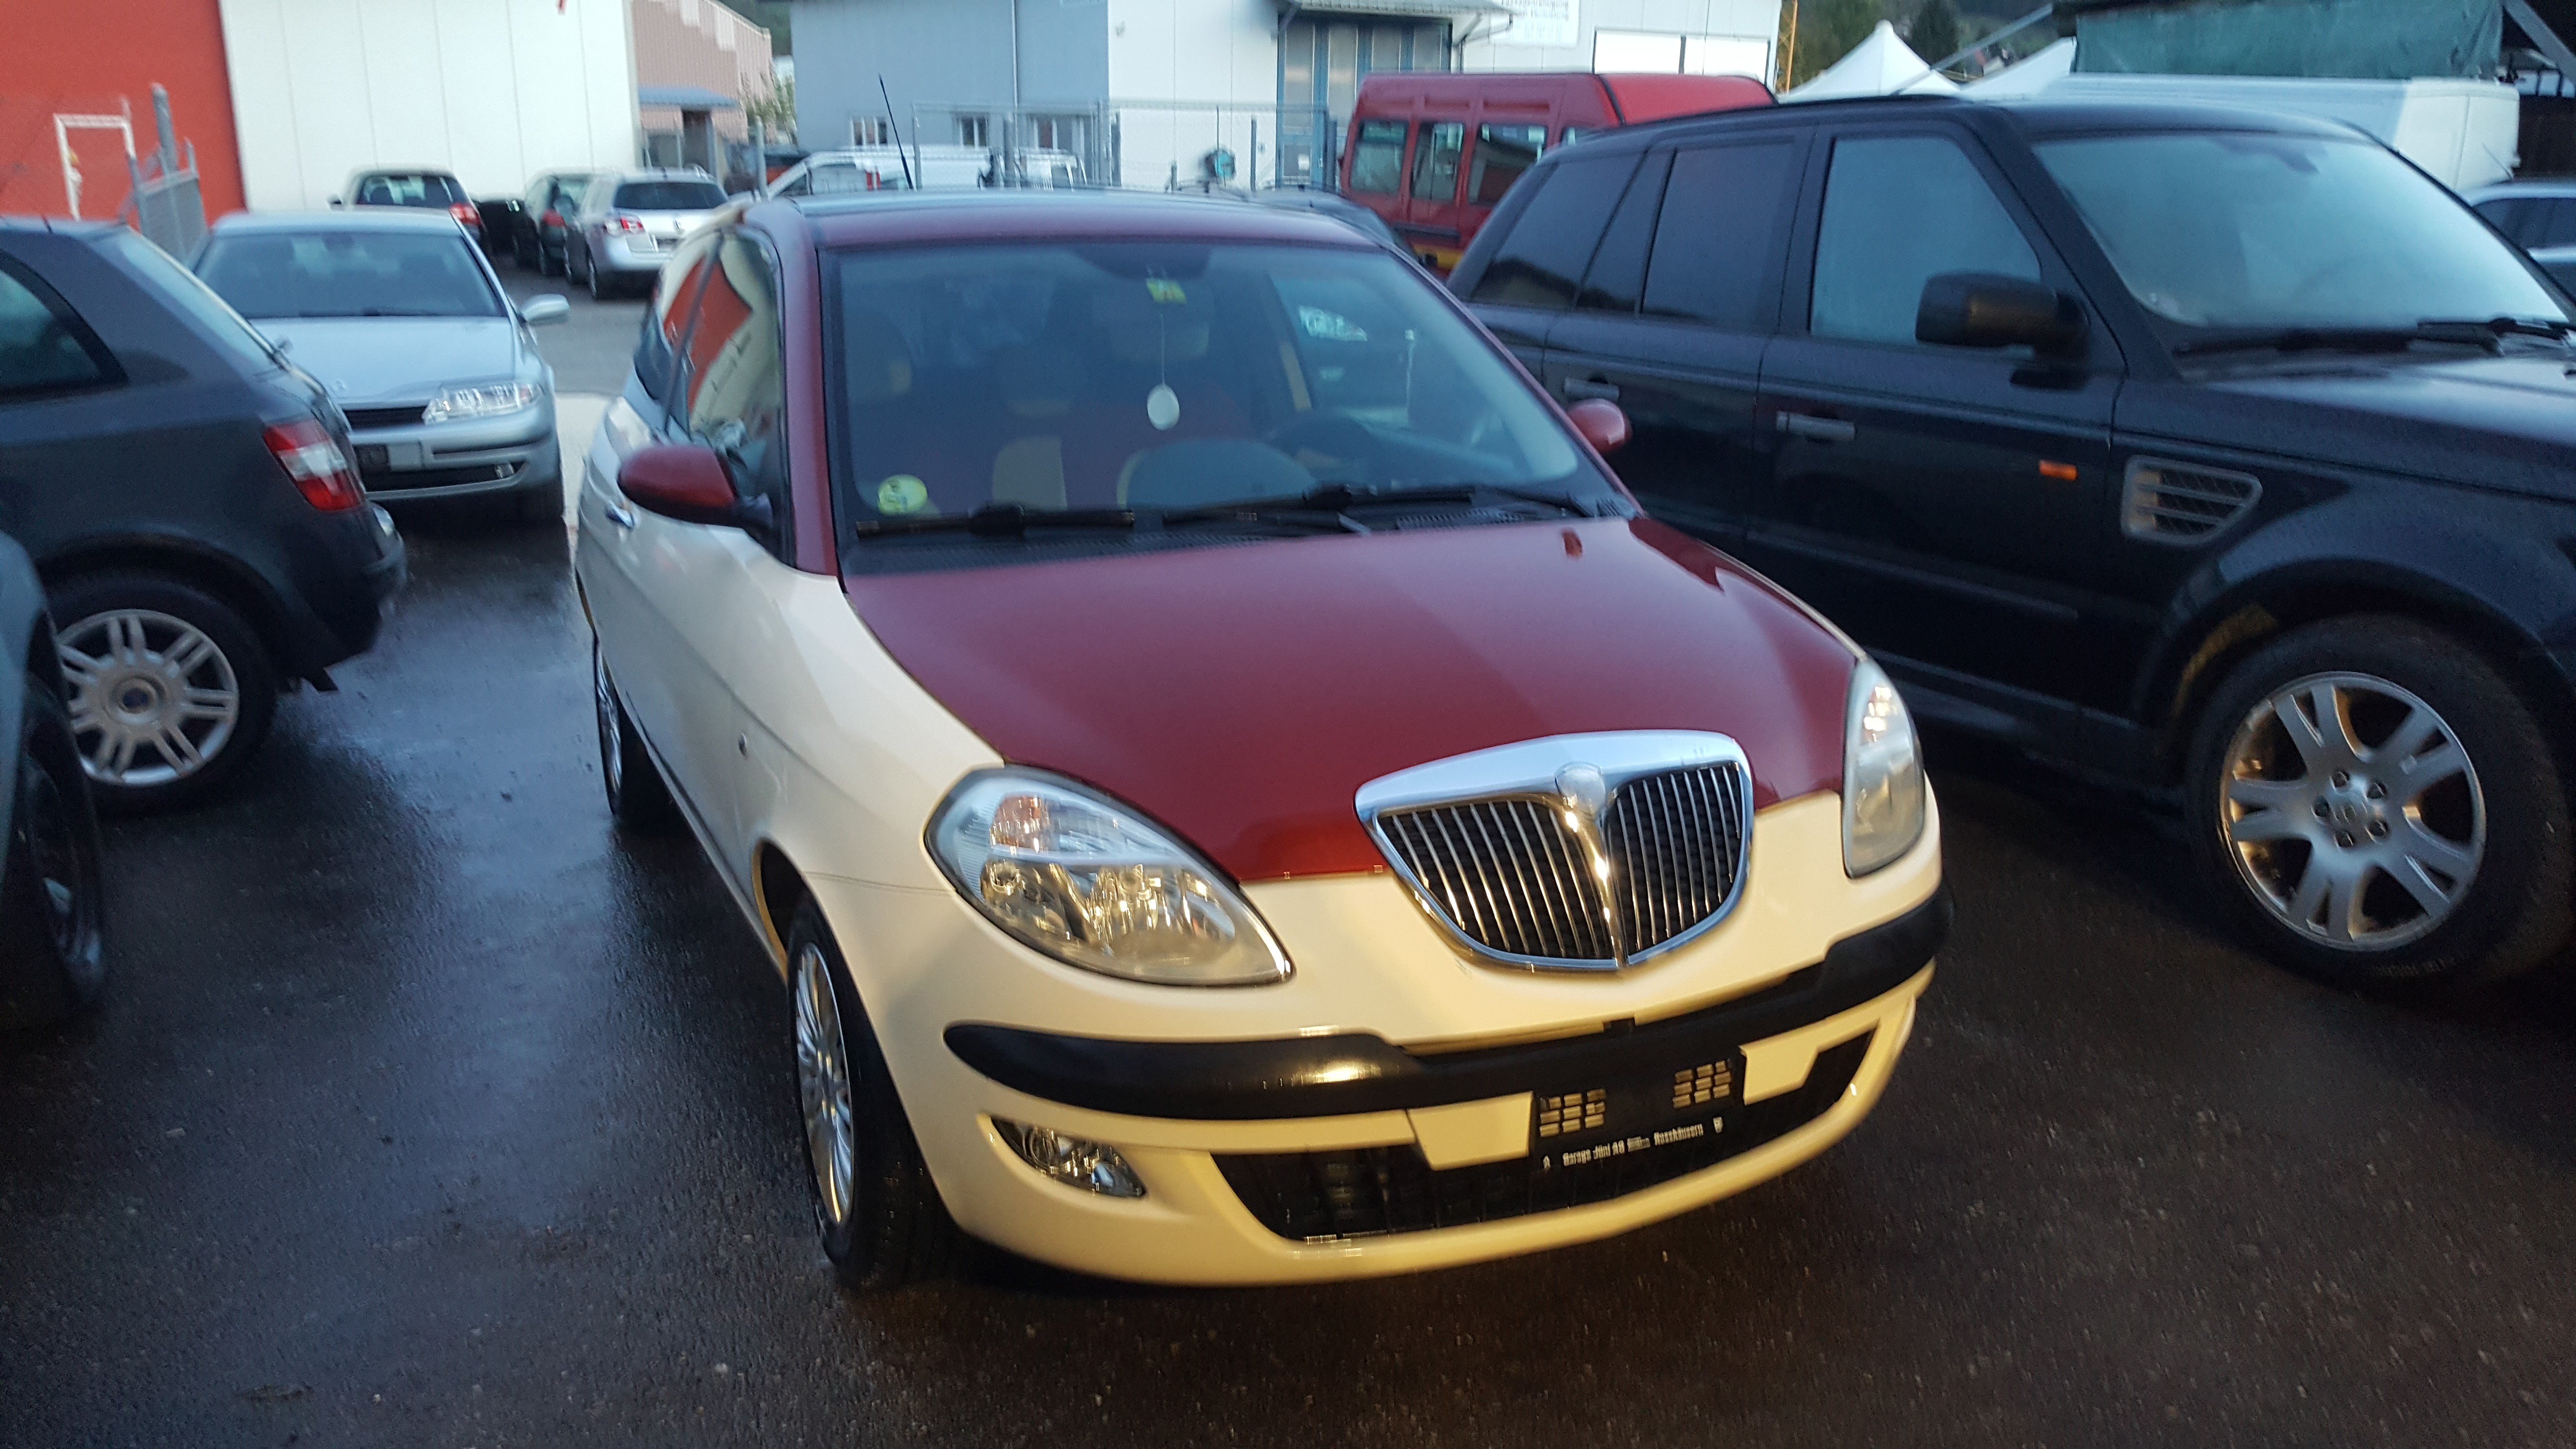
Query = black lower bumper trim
x=1348 y=1072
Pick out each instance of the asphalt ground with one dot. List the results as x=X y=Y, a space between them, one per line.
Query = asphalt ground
x=425 y=1110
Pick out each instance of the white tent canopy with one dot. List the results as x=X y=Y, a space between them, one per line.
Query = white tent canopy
x=2027 y=76
x=1881 y=65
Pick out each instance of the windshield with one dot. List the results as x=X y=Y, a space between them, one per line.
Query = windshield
x=418 y=188
x=2237 y=230
x=668 y=196
x=348 y=274
x=1161 y=377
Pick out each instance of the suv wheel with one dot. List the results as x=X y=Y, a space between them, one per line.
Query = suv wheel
x=171 y=692
x=2382 y=808
x=51 y=932
x=882 y=1222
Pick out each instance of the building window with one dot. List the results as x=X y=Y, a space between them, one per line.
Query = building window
x=974 y=130
x=871 y=131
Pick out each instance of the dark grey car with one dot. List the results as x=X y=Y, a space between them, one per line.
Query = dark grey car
x=52 y=962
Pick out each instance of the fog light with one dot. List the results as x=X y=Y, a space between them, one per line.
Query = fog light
x=1091 y=1166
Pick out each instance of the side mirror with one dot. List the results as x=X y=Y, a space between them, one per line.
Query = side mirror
x=1981 y=309
x=540 y=311
x=685 y=481
x=1601 y=424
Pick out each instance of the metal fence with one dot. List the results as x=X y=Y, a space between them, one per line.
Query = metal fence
x=1146 y=145
x=166 y=204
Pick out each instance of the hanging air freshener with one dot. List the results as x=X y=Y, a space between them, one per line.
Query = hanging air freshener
x=1162 y=405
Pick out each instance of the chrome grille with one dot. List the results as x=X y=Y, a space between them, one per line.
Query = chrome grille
x=1511 y=875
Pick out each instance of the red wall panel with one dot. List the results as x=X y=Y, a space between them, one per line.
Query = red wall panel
x=102 y=57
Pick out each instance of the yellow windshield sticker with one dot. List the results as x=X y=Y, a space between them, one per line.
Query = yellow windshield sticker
x=902 y=493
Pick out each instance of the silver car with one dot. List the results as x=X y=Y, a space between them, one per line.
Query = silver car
x=631 y=221
x=400 y=318
x=2539 y=217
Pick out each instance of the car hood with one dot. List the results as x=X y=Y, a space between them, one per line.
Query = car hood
x=1243 y=694
x=398 y=359
x=2506 y=422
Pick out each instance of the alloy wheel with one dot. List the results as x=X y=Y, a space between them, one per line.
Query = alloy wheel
x=2352 y=811
x=823 y=1086
x=153 y=699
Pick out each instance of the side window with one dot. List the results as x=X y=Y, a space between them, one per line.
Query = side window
x=1377 y=162
x=1725 y=220
x=1618 y=275
x=733 y=381
x=2506 y=214
x=1502 y=154
x=2551 y=222
x=1435 y=161
x=666 y=321
x=1540 y=262
x=41 y=349
x=1900 y=210
x=803 y=185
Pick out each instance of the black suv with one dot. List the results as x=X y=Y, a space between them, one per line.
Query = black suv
x=2221 y=452
x=188 y=499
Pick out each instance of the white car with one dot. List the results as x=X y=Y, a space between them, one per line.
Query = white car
x=1235 y=790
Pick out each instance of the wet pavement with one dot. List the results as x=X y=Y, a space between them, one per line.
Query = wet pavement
x=425 y=1110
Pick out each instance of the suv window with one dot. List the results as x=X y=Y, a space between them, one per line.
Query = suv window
x=1502 y=154
x=1900 y=210
x=1539 y=262
x=733 y=379
x=1435 y=161
x=41 y=349
x=1377 y=162
x=1725 y=216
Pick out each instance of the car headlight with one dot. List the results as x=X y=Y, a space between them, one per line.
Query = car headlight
x=489 y=400
x=1081 y=878
x=1882 y=774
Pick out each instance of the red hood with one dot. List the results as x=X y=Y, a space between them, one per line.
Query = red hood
x=1243 y=694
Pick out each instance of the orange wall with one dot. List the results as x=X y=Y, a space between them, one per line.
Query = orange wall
x=95 y=56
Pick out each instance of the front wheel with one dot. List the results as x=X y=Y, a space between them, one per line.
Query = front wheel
x=52 y=957
x=880 y=1216
x=2381 y=807
x=171 y=691
x=590 y=272
x=637 y=797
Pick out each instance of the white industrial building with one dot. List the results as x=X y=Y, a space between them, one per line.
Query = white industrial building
x=1143 y=90
x=492 y=90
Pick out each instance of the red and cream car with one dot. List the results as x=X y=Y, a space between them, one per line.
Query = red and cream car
x=1236 y=791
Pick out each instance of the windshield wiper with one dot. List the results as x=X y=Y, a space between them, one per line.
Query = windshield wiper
x=999 y=520
x=2489 y=334
x=1336 y=501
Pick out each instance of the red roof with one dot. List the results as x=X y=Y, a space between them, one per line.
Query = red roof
x=1643 y=98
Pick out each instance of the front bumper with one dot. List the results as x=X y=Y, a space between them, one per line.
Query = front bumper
x=1280 y=1141
x=458 y=460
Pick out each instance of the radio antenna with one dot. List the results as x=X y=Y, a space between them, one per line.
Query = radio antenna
x=899 y=153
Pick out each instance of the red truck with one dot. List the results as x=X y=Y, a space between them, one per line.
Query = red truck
x=1433 y=151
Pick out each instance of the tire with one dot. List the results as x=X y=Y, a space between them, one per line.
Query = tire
x=2420 y=835
x=879 y=1214
x=169 y=715
x=521 y=256
x=590 y=275
x=53 y=960
x=549 y=264
x=638 y=798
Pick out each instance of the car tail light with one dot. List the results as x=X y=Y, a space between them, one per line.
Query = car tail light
x=317 y=465
x=550 y=217
x=465 y=213
x=622 y=222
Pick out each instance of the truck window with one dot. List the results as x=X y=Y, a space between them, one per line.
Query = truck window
x=1435 y=161
x=1725 y=219
x=1539 y=263
x=1502 y=154
x=1900 y=210
x=1377 y=162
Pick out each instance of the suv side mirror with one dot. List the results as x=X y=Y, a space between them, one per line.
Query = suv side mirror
x=1982 y=309
x=685 y=481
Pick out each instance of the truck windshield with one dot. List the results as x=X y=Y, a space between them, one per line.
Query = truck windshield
x=2231 y=230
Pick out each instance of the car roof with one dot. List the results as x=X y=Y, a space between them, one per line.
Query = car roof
x=910 y=217
x=404 y=171
x=2036 y=119
x=364 y=218
x=2555 y=186
x=60 y=226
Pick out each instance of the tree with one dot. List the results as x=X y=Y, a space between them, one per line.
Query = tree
x=775 y=109
x=1935 y=32
x=1825 y=31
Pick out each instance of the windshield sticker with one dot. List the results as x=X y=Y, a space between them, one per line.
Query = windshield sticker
x=902 y=493
x=1166 y=291
x=1330 y=326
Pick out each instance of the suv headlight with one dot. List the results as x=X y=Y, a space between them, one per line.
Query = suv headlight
x=488 y=400
x=1081 y=878
x=1882 y=774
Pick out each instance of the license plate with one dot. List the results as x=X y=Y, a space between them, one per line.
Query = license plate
x=1642 y=1111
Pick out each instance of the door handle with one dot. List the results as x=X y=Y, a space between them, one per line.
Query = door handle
x=1815 y=429
x=1578 y=388
x=621 y=515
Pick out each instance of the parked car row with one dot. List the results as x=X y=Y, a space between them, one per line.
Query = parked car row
x=610 y=230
